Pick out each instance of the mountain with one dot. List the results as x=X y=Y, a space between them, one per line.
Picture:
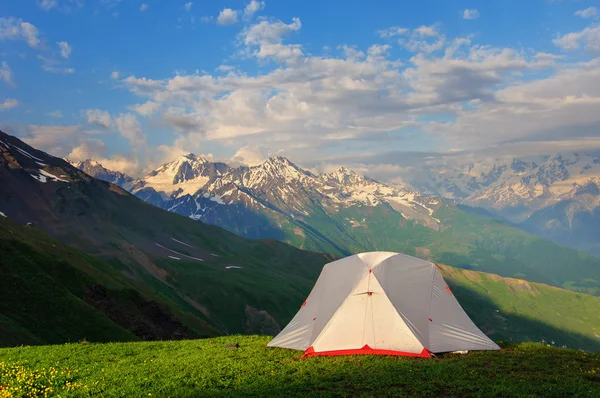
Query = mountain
x=210 y=280
x=132 y=271
x=554 y=196
x=343 y=213
x=95 y=169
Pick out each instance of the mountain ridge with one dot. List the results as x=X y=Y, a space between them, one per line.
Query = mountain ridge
x=343 y=213
x=554 y=196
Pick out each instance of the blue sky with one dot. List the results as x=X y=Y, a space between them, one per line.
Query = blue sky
x=136 y=83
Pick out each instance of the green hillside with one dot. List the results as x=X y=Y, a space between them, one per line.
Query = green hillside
x=463 y=240
x=49 y=288
x=52 y=293
x=209 y=368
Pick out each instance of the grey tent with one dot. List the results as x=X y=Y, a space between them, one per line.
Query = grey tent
x=381 y=303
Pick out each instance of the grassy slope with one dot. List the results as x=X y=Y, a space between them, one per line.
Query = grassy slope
x=207 y=368
x=466 y=241
x=44 y=283
x=45 y=294
x=517 y=310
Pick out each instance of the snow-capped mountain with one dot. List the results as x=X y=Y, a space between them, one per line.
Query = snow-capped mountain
x=555 y=196
x=261 y=200
x=343 y=212
x=95 y=169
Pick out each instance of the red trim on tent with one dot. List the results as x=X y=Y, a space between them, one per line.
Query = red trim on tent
x=366 y=350
x=430 y=320
x=370 y=271
x=448 y=290
x=303 y=304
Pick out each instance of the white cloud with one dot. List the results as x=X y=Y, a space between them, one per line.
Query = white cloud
x=589 y=12
x=47 y=5
x=65 y=49
x=252 y=8
x=588 y=38
x=146 y=109
x=98 y=118
x=250 y=155
x=55 y=66
x=56 y=114
x=114 y=75
x=227 y=16
x=268 y=37
x=470 y=14
x=6 y=74
x=188 y=6
x=426 y=31
x=56 y=140
x=360 y=97
x=12 y=28
x=8 y=104
x=392 y=32
x=130 y=128
x=143 y=7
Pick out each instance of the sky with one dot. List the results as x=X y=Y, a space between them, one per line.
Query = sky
x=370 y=85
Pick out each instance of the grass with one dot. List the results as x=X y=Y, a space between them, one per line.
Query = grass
x=207 y=368
x=46 y=285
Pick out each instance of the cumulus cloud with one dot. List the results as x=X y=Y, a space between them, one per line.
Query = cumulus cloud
x=8 y=104
x=143 y=7
x=12 y=28
x=6 y=74
x=252 y=8
x=450 y=90
x=130 y=128
x=65 y=49
x=188 y=6
x=250 y=155
x=147 y=108
x=227 y=16
x=588 y=38
x=56 y=140
x=470 y=14
x=99 y=118
x=114 y=75
x=589 y=12
x=264 y=40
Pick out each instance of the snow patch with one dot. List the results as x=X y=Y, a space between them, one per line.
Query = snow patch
x=27 y=154
x=41 y=164
x=179 y=254
x=183 y=243
x=3 y=215
x=174 y=258
x=39 y=178
x=233 y=267
x=52 y=176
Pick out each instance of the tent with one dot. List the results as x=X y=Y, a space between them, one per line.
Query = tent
x=381 y=303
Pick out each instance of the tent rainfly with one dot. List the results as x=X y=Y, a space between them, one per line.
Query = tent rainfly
x=381 y=303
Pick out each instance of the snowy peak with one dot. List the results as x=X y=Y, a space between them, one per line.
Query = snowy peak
x=96 y=170
x=274 y=170
x=345 y=176
x=184 y=176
